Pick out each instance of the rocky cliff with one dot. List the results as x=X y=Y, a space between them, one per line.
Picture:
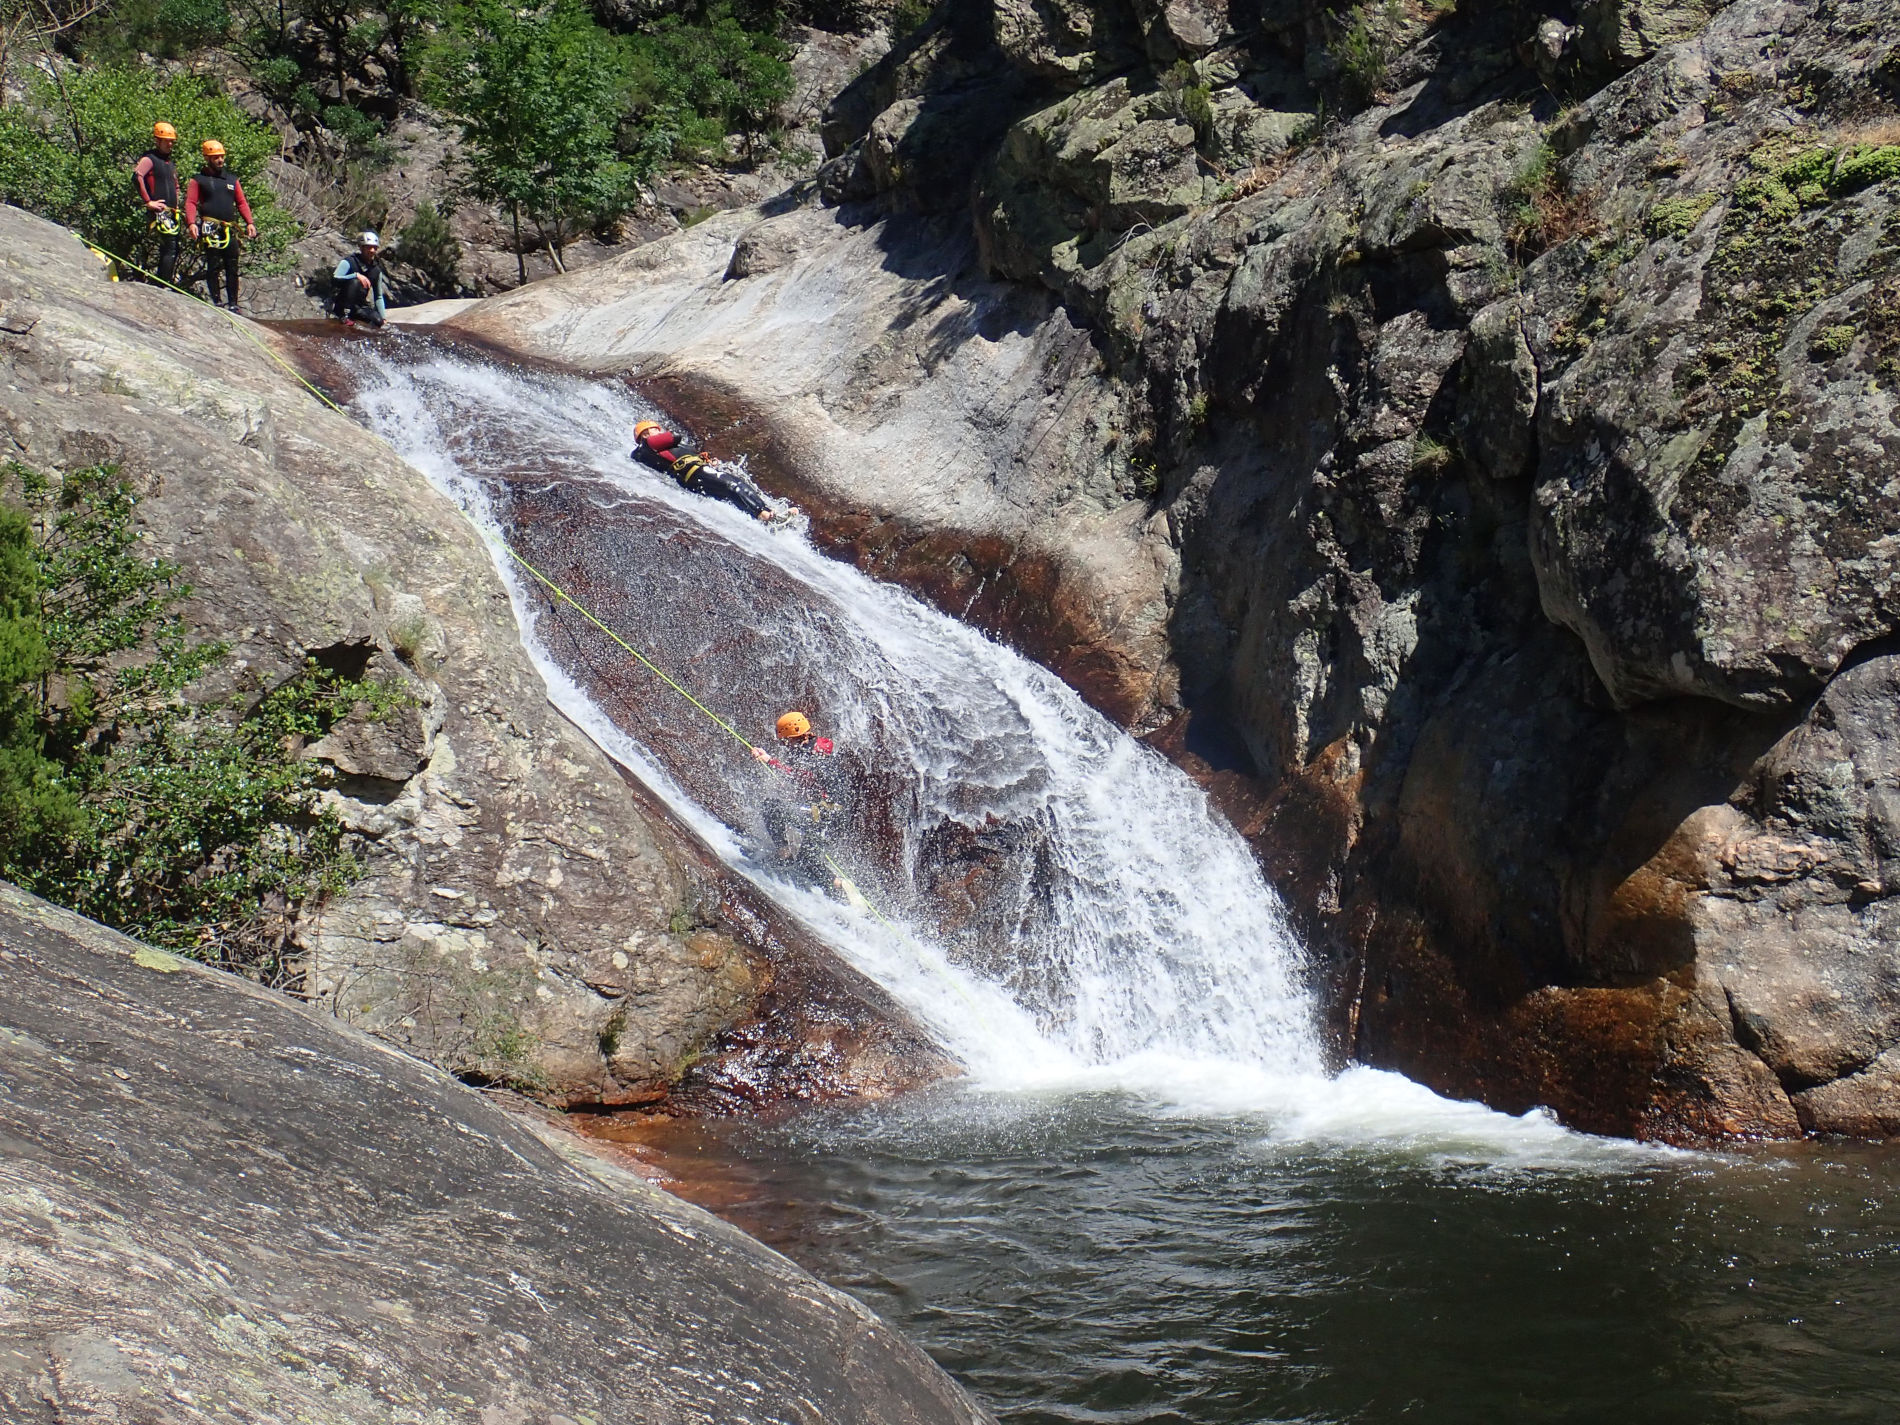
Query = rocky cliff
x=523 y=915
x=218 y=1205
x=1461 y=432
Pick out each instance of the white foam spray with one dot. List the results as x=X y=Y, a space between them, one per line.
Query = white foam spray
x=1147 y=955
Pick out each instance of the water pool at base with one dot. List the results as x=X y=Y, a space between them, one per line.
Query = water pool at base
x=1082 y=1259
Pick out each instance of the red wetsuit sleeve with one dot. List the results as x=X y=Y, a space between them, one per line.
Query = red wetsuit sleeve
x=244 y=208
x=661 y=441
x=191 y=201
x=142 y=175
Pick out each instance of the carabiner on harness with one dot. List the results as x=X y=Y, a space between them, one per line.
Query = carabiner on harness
x=166 y=223
x=215 y=233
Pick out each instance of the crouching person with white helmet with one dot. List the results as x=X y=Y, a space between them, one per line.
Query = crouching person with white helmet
x=358 y=288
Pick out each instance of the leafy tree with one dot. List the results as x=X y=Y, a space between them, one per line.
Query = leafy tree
x=68 y=153
x=316 y=56
x=196 y=826
x=537 y=94
x=707 y=78
x=169 y=29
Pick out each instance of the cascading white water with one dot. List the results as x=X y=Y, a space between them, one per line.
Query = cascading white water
x=1144 y=949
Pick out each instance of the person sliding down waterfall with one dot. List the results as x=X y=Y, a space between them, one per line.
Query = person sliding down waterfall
x=659 y=449
x=800 y=816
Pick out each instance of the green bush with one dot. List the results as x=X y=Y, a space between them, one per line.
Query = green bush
x=68 y=153
x=1865 y=166
x=1364 y=41
x=428 y=244
x=1193 y=100
x=194 y=826
x=710 y=79
x=907 y=17
x=168 y=29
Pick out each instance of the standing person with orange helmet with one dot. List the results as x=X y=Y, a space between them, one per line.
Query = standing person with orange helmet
x=156 y=178
x=800 y=818
x=214 y=202
x=659 y=449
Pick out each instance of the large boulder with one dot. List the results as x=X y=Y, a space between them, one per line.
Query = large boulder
x=217 y=1204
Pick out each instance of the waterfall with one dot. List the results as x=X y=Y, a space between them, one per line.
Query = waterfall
x=1124 y=938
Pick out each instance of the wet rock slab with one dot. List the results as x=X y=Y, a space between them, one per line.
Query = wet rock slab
x=216 y=1205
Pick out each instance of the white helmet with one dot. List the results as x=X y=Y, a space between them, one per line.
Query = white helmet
x=371 y=240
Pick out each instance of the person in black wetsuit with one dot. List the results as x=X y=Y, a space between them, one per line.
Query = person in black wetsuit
x=214 y=205
x=156 y=178
x=358 y=287
x=807 y=805
x=659 y=449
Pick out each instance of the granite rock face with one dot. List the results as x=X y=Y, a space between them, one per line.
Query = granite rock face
x=1464 y=439
x=523 y=917
x=216 y=1204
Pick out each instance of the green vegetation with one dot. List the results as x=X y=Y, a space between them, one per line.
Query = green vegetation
x=1193 y=100
x=1365 y=39
x=68 y=153
x=1791 y=175
x=196 y=826
x=693 y=82
x=429 y=245
x=534 y=92
x=1430 y=455
x=1677 y=217
x=1830 y=342
x=1539 y=208
x=907 y=17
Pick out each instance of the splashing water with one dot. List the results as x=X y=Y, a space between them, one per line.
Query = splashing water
x=1125 y=938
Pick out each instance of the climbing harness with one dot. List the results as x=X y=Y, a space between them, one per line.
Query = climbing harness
x=215 y=233
x=165 y=224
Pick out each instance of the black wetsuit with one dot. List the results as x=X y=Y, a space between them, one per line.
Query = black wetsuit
x=157 y=179
x=220 y=197
x=350 y=300
x=693 y=473
x=805 y=808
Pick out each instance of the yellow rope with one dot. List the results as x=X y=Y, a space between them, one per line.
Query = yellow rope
x=239 y=322
x=564 y=597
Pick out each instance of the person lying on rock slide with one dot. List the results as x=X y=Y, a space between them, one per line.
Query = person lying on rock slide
x=659 y=449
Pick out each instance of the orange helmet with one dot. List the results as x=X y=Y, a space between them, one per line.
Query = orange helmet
x=640 y=428
x=793 y=724
x=163 y=130
x=211 y=148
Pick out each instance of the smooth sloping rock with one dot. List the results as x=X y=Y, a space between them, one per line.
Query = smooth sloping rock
x=518 y=901
x=218 y=1205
